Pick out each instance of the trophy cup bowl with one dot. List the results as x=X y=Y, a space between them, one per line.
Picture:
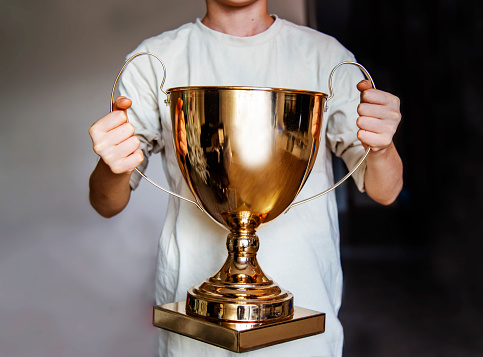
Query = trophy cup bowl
x=245 y=153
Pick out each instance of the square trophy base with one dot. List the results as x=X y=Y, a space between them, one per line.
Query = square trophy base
x=238 y=337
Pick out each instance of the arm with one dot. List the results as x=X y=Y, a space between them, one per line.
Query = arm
x=379 y=117
x=114 y=141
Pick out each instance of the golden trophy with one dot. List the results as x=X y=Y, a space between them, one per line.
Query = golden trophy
x=245 y=153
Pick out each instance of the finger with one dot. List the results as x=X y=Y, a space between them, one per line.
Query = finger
x=134 y=160
x=378 y=111
x=374 y=125
x=114 y=156
x=364 y=85
x=127 y=147
x=104 y=141
x=380 y=97
x=112 y=120
x=373 y=140
x=370 y=124
x=107 y=123
x=128 y=163
x=120 y=133
x=122 y=103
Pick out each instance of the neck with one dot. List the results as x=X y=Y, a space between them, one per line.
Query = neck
x=241 y=20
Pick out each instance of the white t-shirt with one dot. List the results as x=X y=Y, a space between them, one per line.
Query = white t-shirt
x=299 y=250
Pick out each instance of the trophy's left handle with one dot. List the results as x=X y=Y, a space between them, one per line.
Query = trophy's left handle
x=166 y=102
x=361 y=160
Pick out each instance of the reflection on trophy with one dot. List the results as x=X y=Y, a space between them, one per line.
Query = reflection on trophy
x=245 y=154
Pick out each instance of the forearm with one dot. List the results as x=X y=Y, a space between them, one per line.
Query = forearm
x=109 y=193
x=383 y=177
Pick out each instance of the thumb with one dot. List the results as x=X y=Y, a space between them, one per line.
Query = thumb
x=364 y=84
x=122 y=103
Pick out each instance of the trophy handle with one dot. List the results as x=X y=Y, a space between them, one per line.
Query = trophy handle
x=166 y=102
x=361 y=160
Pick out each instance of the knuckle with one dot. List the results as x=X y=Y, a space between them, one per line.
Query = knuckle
x=140 y=156
x=363 y=122
x=362 y=108
x=359 y=122
x=386 y=140
x=98 y=147
x=133 y=143
x=366 y=95
x=131 y=128
x=396 y=116
x=116 y=168
x=136 y=141
x=117 y=116
x=127 y=129
x=359 y=108
x=108 y=157
x=94 y=131
x=122 y=116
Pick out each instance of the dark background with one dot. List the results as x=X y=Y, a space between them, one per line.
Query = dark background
x=414 y=270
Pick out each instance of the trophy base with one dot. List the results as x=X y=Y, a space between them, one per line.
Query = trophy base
x=238 y=337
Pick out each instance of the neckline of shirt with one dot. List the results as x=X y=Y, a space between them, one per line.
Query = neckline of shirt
x=242 y=41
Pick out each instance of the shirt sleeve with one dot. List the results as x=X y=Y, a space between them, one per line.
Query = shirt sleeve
x=139 y=83
x=341 y=126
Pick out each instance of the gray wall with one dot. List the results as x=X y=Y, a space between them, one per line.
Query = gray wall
x=72 y=283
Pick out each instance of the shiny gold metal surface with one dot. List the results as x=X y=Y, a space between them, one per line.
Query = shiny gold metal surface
x=238 y=337
x=245 y=153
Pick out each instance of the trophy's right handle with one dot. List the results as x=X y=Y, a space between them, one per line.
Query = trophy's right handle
x=166 y=101
x=361 y=160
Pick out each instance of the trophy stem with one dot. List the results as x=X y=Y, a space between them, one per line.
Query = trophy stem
x=240 y=291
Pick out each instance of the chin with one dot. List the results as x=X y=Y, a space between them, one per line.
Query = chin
x=236 y=3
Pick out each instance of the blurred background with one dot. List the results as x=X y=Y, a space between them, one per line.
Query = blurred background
x=75 y=284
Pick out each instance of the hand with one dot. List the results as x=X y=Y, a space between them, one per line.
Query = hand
x=114 y=141
x=379 y=117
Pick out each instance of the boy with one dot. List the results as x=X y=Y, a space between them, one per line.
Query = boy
x=238 y=43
